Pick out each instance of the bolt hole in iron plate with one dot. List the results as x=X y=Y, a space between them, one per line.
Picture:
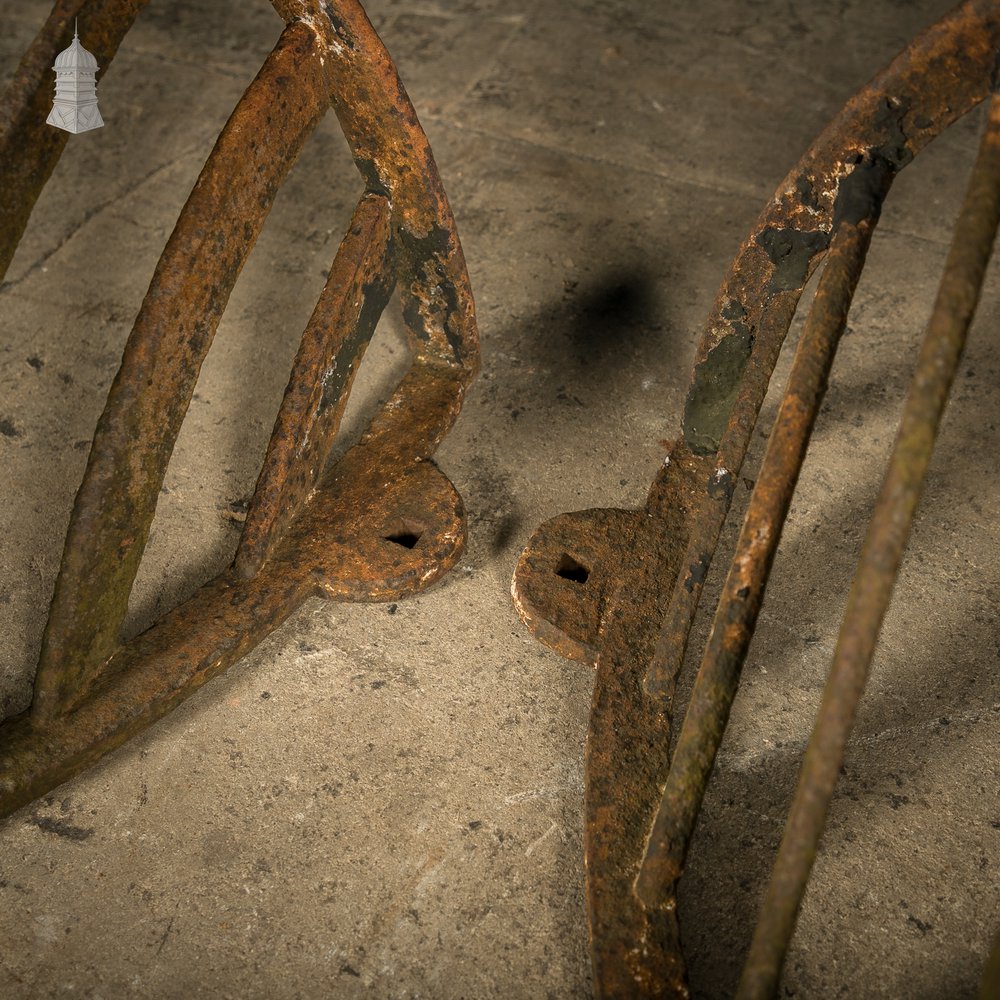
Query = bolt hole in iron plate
x=571 y=569
x=405 y=537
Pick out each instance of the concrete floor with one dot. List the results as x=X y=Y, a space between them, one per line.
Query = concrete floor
x=386 y=801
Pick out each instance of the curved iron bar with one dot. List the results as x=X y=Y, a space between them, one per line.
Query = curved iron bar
x=881 y=557
x=380 y=524
x=628 y=606
x=859 y=204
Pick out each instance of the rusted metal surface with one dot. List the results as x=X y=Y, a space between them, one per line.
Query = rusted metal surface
x=878 y=567
x=333 y=345
x=616 y=570
x=380 y=524
x=150 y=395
x=937 y=79
x=989 y=988
x=858 y=205
x=637 y=837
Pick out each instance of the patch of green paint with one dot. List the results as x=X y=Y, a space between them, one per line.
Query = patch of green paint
x=713 y=391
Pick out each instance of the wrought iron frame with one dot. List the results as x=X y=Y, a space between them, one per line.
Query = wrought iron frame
x=619 y=588
x=382 y=522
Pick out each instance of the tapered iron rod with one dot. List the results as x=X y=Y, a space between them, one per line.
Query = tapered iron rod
x=880 y=560
x=857 y=210
x=339 y=330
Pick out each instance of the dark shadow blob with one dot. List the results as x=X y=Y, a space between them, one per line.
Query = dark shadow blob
x=506 y=529
x=601 y=327
x=618 y=306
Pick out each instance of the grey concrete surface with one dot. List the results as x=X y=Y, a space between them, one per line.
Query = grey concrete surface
x=386 y=800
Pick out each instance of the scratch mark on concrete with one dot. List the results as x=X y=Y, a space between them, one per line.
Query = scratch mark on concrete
x=166 y=933
x=537 y=843
x=94 y=211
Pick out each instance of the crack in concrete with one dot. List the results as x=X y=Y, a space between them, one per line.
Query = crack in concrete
x=91 y=213
x=742 y=762
x=748 y=192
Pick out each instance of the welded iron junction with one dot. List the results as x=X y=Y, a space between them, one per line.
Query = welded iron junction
x=619 y=588
x=381 y=523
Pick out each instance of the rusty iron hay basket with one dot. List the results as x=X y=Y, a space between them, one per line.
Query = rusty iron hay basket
x=619 y=588
x=381 y=523
x=614 y=588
